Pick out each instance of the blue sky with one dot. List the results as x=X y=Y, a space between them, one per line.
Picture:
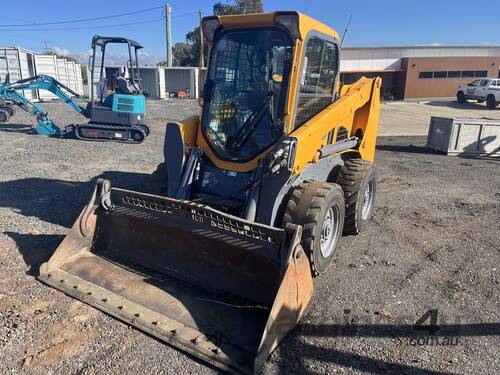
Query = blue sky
x=374 y=23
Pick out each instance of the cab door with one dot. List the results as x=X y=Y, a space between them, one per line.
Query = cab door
x=482 y=89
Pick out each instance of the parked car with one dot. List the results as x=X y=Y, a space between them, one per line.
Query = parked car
x=485 y=89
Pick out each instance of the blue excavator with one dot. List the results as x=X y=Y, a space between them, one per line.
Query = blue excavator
x=116 y=116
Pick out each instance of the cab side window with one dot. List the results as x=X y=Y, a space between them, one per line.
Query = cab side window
x=484 y=82
x=319 y=71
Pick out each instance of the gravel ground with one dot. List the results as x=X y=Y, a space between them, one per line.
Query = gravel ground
x=433 y=245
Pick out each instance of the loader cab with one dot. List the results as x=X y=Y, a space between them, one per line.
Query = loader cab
x=245 y=91
x=267 y=75
x=125 y=105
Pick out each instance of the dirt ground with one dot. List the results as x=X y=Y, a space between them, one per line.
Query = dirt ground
x=433 y=250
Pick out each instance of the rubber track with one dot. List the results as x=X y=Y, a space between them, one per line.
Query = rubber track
x=109 y=127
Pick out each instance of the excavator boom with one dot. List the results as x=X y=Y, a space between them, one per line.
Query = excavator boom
x=45 y=126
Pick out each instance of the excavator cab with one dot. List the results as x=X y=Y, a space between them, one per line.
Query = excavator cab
x=125 y=106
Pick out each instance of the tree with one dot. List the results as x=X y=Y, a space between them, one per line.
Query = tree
x=188 y=53
x=50 y=51
x=239 y=7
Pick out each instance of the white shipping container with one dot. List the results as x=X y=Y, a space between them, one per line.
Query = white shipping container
x=46 y=64
x=182 y=79
x=62 y=71
x=72 y=82
x=161 y=83
x=79 y=79
x=18 y=63
x=152 y=80
x=27 y=70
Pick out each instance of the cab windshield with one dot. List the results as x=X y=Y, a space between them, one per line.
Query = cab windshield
x=243 y=91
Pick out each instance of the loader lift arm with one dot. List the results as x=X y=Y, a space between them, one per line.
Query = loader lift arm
x=45 y=125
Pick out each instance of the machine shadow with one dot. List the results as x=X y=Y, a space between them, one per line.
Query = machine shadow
x=455 y=105
x=294 y=343
x=35 y=248
x=17 y=128
x=60 y=202
x=401 y=143
x=416 y=145
x=409 y=149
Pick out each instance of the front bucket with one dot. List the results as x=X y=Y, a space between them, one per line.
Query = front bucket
x=219 y=287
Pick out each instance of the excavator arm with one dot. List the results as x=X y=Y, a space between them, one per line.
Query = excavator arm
x=45 y=126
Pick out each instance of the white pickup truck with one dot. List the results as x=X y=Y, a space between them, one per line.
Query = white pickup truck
x=485 y=89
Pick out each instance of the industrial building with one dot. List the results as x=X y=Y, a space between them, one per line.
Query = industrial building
x=420 y=71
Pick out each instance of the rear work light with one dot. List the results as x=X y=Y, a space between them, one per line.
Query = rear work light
x=209 y=25
x=290 y=21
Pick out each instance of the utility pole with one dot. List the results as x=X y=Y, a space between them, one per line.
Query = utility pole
x=45 y=42
x=202 y=45
x=168 y=25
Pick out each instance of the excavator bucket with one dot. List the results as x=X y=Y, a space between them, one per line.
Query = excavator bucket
x=219 y=287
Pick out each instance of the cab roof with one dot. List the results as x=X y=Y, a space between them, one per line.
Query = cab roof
x=103 y=40
x=305 y=23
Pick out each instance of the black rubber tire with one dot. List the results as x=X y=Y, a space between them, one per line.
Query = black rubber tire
x=461 y=97
x=308 y=207
x=4 y=116
x=491 y=103
x=354 y=176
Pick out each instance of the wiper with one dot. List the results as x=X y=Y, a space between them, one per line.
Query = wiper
x=251 y=122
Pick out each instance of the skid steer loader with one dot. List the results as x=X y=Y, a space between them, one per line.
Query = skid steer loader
x=257 y=192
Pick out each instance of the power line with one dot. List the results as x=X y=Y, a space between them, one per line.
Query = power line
x=87 y=27
x=83 y=19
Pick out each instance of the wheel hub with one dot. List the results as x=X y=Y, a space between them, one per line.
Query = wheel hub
x=367 y=200
x=329 y=231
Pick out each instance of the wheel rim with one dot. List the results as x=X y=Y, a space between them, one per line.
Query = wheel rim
x=367 y=200
x=329 y=231
x=3 y=117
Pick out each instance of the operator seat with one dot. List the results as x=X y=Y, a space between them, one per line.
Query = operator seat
x=123 y=84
